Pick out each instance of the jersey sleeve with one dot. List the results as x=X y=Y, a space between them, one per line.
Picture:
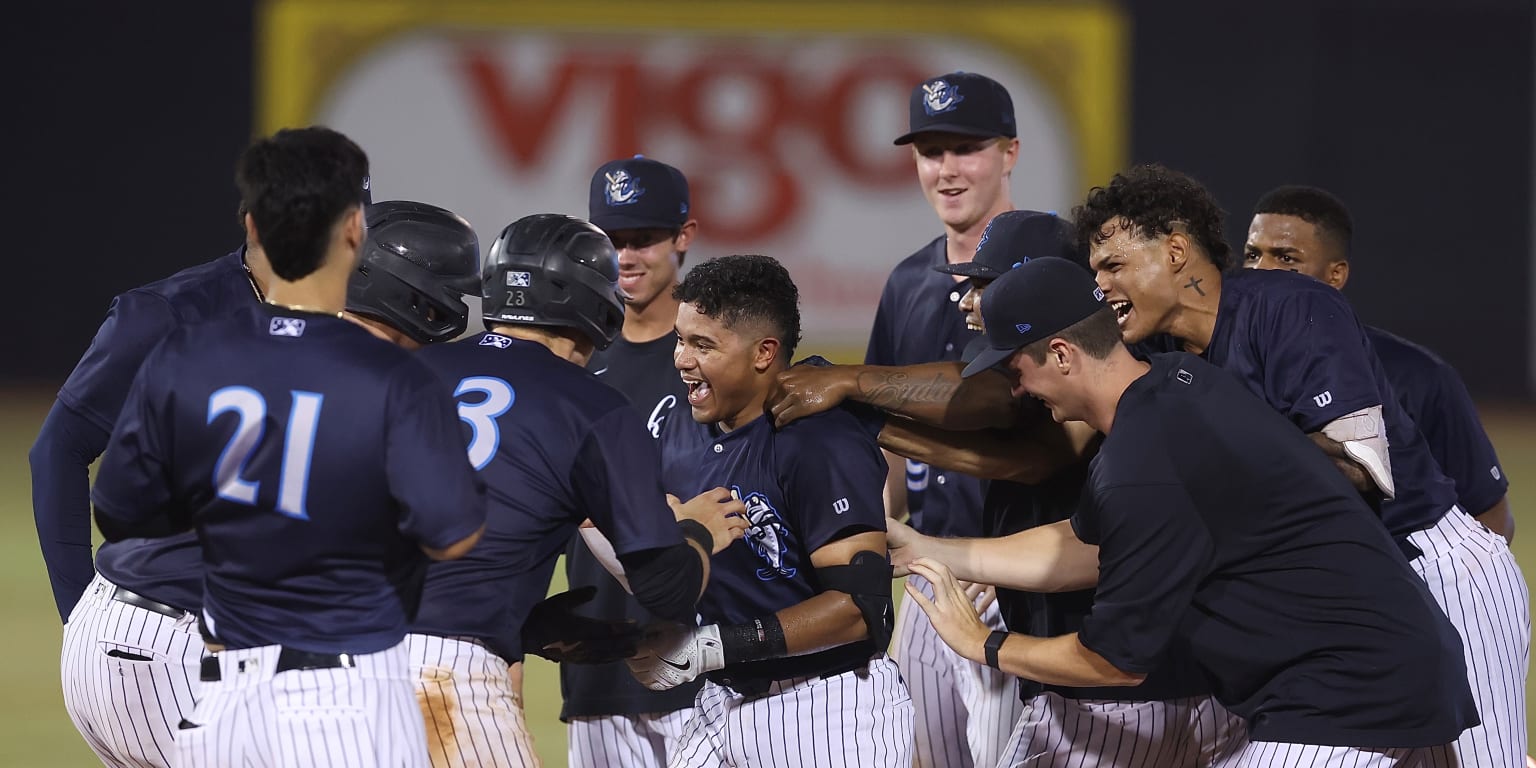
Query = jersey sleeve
x=135 y=323
x=1318 y=365
x=1454 y=431
x=133 y=483
x=617 y=479
x=1153 y=551
x=441 y=499
x=834 y=478
x=61 y=499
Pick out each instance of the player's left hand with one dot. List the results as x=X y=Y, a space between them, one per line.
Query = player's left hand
x=952 y=612
x=555 y=631
x=982 y=595
x=673 y=654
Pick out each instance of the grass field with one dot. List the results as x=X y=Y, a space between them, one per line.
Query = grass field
x=36 y=733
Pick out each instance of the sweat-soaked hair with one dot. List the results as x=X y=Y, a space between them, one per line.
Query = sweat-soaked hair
x=1153 y=199
x=753 y=288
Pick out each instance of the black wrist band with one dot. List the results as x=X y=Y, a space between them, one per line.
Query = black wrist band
x=754 y=640
x=695 y=530
x=993 y=645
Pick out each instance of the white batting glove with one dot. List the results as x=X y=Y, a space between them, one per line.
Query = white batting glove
x=672 y=654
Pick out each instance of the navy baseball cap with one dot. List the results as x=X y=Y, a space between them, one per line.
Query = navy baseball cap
x=961 y=102
x=1015 y=237
x=638 y=193
x=1029 y=303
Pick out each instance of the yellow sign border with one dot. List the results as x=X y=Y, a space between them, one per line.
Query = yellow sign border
x=1079 y=51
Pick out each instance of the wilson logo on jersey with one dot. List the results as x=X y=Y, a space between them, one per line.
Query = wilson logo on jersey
x=1324 y=399
x=286 y=326
x=767 y=536
x=840 y=506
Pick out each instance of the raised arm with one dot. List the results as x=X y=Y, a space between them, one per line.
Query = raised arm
x=931 y=393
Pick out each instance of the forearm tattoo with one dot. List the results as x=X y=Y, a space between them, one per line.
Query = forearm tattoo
x=892 y=390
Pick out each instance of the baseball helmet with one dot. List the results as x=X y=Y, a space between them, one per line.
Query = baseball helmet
x=554 y=270
x=418 y=263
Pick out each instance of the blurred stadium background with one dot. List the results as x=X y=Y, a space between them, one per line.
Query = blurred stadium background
x=124 y=132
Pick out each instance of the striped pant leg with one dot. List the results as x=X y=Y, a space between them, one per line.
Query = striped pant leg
x=990 y=698
x=928 y=665
x=127 y=705
x=471 y=714
x=1055 y=732
x=643 y=740
x=701 y=743
x=1473 y=576
x=1271 y=754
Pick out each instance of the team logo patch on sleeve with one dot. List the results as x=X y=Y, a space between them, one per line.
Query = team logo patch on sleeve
x=286 y=326
x=767 y=536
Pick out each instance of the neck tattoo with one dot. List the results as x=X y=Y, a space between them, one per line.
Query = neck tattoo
x=1194 y=282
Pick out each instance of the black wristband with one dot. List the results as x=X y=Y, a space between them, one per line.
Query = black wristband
x=994 y=644
x=754 y=640
x=699 y=534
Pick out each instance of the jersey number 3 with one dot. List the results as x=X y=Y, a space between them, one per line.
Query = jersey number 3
x=298 y=447
x=481 y=416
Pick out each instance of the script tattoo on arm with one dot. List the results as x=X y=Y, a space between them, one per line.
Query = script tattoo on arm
x=894 y=390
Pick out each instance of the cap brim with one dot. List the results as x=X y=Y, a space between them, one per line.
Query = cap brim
x=963 y=130
x=969 y=269
x=613 y=223
x=988 y=358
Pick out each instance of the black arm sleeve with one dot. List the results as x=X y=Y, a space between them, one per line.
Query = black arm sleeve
x=666 y=580
x=61 y=502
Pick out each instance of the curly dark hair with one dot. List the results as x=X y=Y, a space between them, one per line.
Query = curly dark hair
x=1315 y=206
x=1152 y=198
x=735 y=288
x=296 y=184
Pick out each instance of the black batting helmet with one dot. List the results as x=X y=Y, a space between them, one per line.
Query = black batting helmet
x=551 y=269
x=418 y=263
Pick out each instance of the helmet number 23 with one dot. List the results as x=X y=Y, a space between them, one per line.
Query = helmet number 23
x=481 y=415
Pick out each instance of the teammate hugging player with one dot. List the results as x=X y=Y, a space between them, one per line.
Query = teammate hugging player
x=797 y=615
x=556 y=446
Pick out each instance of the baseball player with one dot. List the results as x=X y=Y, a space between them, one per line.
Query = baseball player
x=1307 y=230
x=1169 y=719
x=130 y=658
x=317 y=463
x=1214 y=524
x=797 y=616
x=556 y=446
x=642 y=205
x=1157 y=247
x=963 y=138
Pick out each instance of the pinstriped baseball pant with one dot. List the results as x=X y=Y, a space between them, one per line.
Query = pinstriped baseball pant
x=473 y=717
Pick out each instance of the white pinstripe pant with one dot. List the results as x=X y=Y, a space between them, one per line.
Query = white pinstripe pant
x=1056 y=732
x=965 y=711
x=362 y=717
x=626 y=741
x=1272 y=754
x=473 y=717
x=127 y=704
x=1472 y=574
x=859 y=719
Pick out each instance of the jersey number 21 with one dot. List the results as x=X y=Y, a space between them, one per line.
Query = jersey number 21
x=298 y=447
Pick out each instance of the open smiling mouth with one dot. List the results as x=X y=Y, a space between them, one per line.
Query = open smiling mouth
x=1122 y=310
x=697 y=390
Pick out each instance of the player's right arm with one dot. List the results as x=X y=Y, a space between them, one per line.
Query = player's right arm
x=440 y=496
x=1047 y=558
x=931 y=393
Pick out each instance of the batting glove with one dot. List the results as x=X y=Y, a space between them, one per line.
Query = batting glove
x=672 y=654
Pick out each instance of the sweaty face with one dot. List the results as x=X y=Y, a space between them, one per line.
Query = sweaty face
x=963 y=177
x=970 y=303
x=717 y=366
x=647 y=262
x=1276 y=241
x=1137 y=278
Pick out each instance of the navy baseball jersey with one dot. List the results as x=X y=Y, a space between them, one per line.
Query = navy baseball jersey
x=1296 y=343
x=645 y=374
x=166 y=570
x=919 y=321
x=1434 y=396
x=807 y=485
x=555 y=446
x=314 y=460
x=1222 y=526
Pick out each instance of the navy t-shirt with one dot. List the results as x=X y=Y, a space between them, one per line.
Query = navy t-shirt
x=555 y=446
x=1435 y=398
x=167 y=570
x=313 y=459
x=1296 y=343
x=644 y=373
x=1221 y=526
x=919 y=321
x=807 y=485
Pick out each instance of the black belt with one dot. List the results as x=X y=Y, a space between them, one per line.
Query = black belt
x=758 y=686
x=139 y=601
x=288 y=660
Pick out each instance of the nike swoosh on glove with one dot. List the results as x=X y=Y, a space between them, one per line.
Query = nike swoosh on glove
x=672 y=654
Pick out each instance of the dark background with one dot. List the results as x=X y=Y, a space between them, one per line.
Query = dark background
x=124 y=121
